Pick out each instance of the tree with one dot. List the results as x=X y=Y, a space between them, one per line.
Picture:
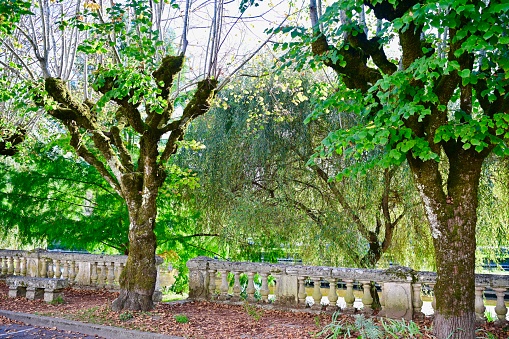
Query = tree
x=255 y=177
x=141 y=98
x=440 y=104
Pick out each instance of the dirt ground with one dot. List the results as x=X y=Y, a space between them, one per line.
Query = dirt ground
x=205 y=319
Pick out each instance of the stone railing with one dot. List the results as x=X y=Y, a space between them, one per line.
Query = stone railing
x=401 y=287
x=80 y=269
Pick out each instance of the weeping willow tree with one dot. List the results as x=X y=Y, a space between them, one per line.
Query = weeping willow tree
x=255 y=178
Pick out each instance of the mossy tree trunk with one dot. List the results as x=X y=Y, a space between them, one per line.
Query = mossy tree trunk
x=452 y=215
x=136 y=178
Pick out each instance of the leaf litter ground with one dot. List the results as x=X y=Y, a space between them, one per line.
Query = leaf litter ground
x=205 y=319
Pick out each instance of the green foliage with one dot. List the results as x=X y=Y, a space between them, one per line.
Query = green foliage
x=253 y=311
x=365 y=328
x=181 y=318
x=254 y=178
x=125 y=316
x=384 y=108
x=11 y=12
x=57 y=197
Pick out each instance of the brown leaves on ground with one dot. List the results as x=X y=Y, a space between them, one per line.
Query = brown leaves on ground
x=205 y=319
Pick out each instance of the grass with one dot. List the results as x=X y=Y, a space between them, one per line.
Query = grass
x=181 y=318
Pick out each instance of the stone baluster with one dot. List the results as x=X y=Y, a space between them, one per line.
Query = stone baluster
x=317 y=294
x=264 y=290
x=212 y=283
x=382 y=301
x=332 y=296
x=479 y=304
x=416 y=300
x=118 y=270
x=277 y=291
x=93 y=273
x=111 y=274
x=349 y=297
x=367 y=299
x=250 y=289
x=236 y=286
x=302 y=291
x=10 y=268
x=24 y=266
x=44 y=268
x=51 y=271
x=434 y=301
x=73 y=271
x=101 y=268
x=224 y=285
x=500 y=308
x=17 y=269
x=65 y=273
x=58 y=269
x=4 y=265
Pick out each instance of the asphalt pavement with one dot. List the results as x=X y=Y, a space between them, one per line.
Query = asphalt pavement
x=36 y=326
x=15 y=331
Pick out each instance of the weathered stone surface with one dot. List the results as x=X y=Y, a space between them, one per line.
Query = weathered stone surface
x=48 y=289
x=398 y=300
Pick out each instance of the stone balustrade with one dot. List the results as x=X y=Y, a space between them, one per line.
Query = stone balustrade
x=400 y=297
x=80 y=269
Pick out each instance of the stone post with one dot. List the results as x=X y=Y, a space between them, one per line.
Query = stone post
x=317 y=294
x=367 y=299
x=332 y=296
x=479 y=304
x=198 y=278
x=398 y=292
x=349 y=297
x=500 y=308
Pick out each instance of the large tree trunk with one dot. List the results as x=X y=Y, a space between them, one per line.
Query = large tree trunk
x=139 y=276
x=452 y=215
x=138 y=279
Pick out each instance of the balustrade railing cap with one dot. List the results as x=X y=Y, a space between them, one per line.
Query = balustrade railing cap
x=493 y=280
x=312 y=271
x=400 y=273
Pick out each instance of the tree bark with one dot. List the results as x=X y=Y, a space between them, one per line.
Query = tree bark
x=452 y=215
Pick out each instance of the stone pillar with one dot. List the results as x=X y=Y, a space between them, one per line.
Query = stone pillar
x=317 y=294
x=264 y=290
x=250 y=289
x=349 y=297
x=417 y=301
x=198 y=278
x=500 y=308
x=212 y=283
x=4 y=265
x=65 y=273
x=479 y=304
x=72 y=273
x=93 y=273
x=434 y=301
x=302 y=292
x=10 y=268
x=23 y=266
x=17 y=268
x=51 y=270
x=399 y=294
x=44 y=268
x=287 y=286
x=332 y=296
x=111 y=274
x=236 y=286
x=224 y=285
x=367 y=299
x=58 y=272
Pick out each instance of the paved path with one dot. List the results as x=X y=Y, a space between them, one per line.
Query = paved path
x=36 y=326
x=14 y=331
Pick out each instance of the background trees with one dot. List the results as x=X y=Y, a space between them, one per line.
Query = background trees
x=255 y=178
